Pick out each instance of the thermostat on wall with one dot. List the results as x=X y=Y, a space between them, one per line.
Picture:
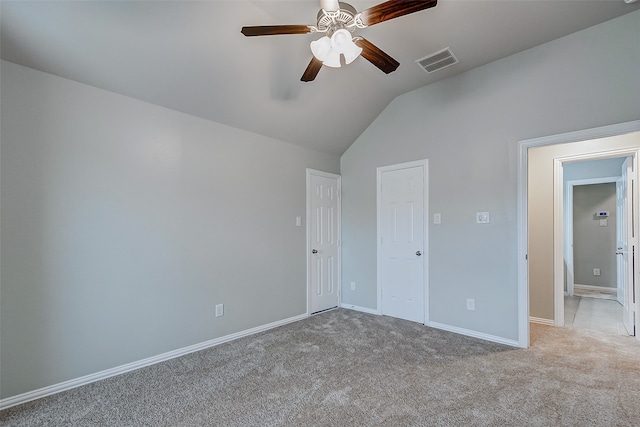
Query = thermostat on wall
x=602 y=214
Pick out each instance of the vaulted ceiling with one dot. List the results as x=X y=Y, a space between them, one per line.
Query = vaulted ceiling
x=191 y=57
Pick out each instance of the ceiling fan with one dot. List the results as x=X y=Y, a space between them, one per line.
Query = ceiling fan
x=337 y=21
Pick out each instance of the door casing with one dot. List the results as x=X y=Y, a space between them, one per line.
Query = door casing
x=522 y=208
x=559 y=219
x=568 y=223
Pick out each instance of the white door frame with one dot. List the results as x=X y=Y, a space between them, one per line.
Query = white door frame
x=568 y=222
x=522 y=206
x=338 y=178
x=425 y=259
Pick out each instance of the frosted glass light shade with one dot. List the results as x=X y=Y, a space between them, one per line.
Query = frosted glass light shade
x=340 y=39
x=351 y=53
x=342 y=42
x=321 y=48
x=328 y=50
x=332 y=59
x=324 y=51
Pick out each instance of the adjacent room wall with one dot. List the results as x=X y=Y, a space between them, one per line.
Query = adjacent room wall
x=594 y=245
x=468 y=127
x=124 y=224
x=583 y=170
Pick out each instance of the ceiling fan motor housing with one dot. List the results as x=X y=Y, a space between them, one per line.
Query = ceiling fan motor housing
x=332 y=21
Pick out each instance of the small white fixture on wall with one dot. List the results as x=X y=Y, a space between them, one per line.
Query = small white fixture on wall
x=482 y=217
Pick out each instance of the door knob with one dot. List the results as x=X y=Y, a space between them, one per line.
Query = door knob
x=418 y=253
x=314 y=251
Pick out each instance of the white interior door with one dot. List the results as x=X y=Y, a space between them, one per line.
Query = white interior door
x=402 y=241
x=568 y=237
x=323 y=248
x=626 y=248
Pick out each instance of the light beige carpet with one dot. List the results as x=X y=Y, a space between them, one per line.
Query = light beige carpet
x=344 y=368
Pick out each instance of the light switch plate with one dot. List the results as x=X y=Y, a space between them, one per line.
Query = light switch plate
x=482 y=217
x=471 y=304
x=437 y=218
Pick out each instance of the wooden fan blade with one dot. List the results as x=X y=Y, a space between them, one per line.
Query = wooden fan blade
x=393 y=9
x=377 y=57
x=274 y=30
x=312 y=70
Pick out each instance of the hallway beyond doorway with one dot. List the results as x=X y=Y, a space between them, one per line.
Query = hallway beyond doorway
x=594 y=314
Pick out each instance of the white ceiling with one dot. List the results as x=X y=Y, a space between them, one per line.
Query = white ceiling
x=191 y=56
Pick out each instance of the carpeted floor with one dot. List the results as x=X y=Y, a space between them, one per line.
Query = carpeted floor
x=345 y=368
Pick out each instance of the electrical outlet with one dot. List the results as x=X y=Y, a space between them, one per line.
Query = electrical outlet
x=596 y=271
x=219 y=310
x=353 y=286
x=471 y=304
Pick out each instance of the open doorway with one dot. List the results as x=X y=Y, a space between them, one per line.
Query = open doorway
x=540 y=216
x=593 y=231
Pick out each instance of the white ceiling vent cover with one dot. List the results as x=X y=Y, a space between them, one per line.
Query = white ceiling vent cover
x=437 y=61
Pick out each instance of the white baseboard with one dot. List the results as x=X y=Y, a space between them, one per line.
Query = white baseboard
x=475 y=334
x=594 y=288
x=541 y=321
x=444 y=327
x=362 y=309
x=87 y=379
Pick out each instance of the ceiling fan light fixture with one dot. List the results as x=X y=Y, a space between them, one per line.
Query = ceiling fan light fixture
x=321 y=48
x=336 y=20
x=351 y=55
x=332 y=59
x=342 y=42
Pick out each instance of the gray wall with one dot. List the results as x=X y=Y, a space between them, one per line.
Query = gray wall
x=468 y=127
x=124 y=223
x=593 y=245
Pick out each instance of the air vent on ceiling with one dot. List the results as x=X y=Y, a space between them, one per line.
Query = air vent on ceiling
x=437 y=61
